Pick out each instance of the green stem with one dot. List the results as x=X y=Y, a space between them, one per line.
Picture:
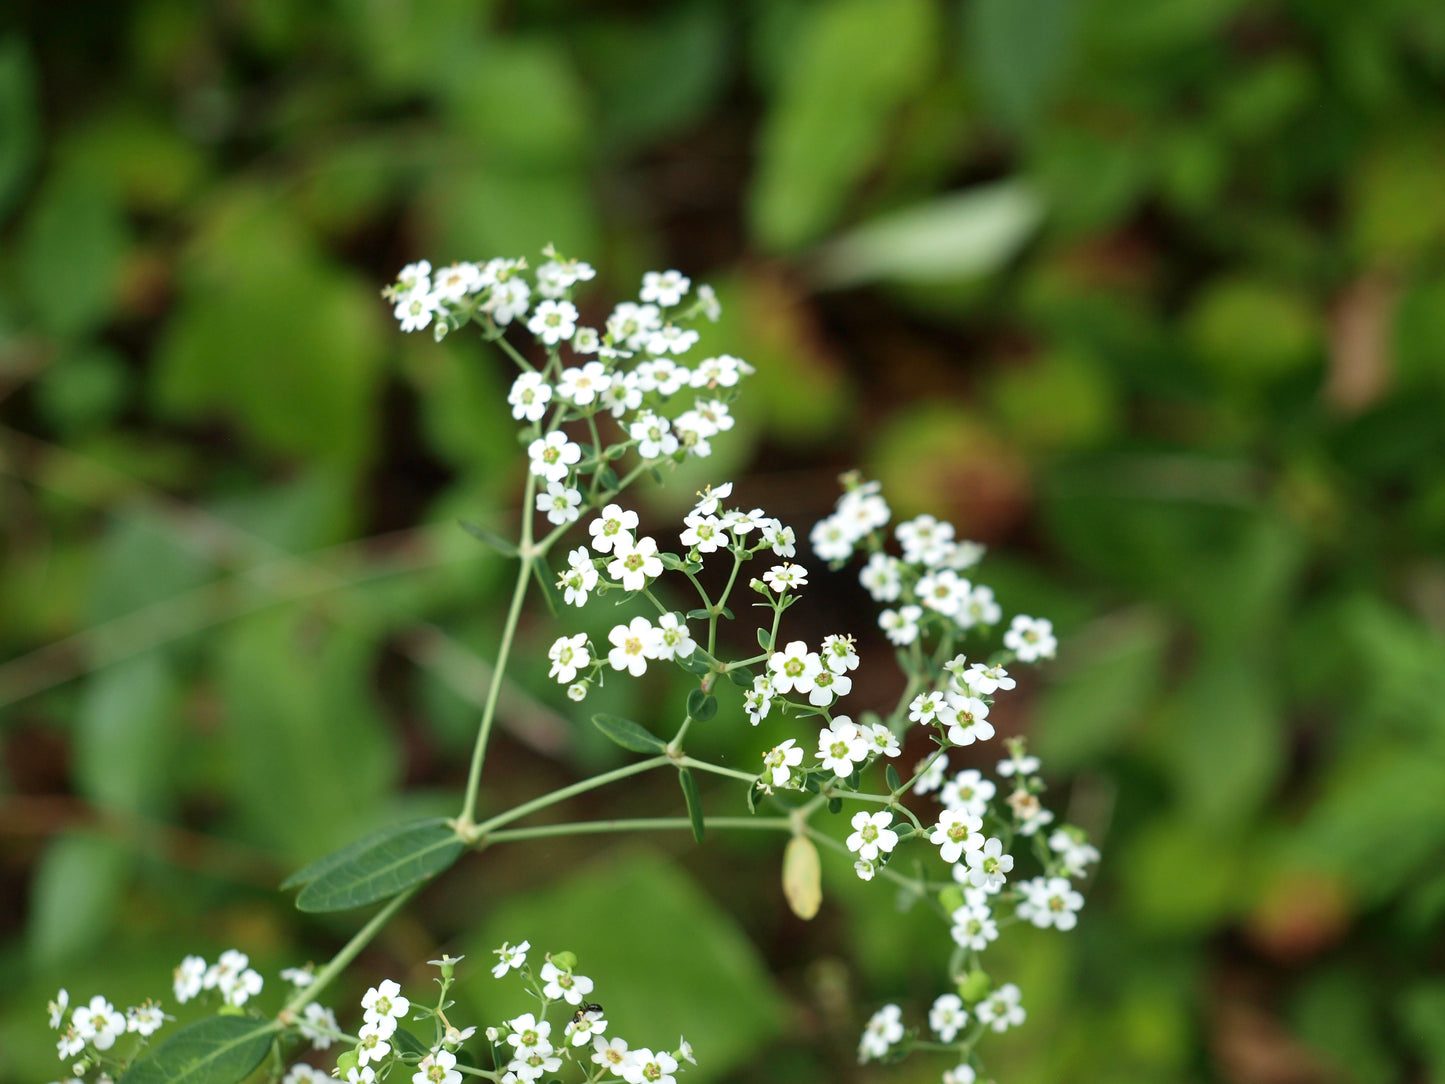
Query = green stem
x=716 y=769
x=721 y=602
x=509 y=632
x=349 y=951
x=640 y=824
x=828 y=841
x=483 y=830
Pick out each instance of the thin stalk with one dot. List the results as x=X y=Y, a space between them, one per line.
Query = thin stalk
x=716 y=769
x=639 y=824
x=349 y=951
x=484 y=829
x=509 y=632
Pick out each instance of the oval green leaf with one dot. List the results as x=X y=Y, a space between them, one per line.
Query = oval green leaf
x=217 y=1050
x=701 y=706
x=633 y=737
x=694 y=801
x=381 y=866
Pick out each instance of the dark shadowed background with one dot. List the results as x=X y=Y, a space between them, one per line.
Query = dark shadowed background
x=1148 y=295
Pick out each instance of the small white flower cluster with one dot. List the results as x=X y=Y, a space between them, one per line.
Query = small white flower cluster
x=232 y=976
x=88 y=1031
x=528 y=1038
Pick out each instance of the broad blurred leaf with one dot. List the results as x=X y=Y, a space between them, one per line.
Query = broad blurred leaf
x=1251 y=331
x=666 y=959
x=857 y=62
x=475 y=214
x=83 y=390
x=1019 y=52
x=1397 y=210
x=142 y=561
x=274 y=338
x=959 y=236
x=217 y=1050
x=75 y=896
x=124 y=734
x=1422 y=1012
x=1326 y=1014
x=521 y=101
x=19 y=119
x=1062 y=400
x=1180 y=878
x=382 y=866
x=74 y=241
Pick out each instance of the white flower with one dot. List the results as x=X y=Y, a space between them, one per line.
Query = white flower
x=979 y=608
x=580 y=577
x=1075 y=852
x=361 y=1074
x=634 y=563
x=968 y=791
x=560 y=502
x=610 y=1053
x=779 y=762
x=711 y=308
x=318 y=1024
x=925 y=540
x=947 y=1017
x=841 y=747
x=671 y=339
x=622 y=394
x=384 y=1006
x=674 y=639
x=711 y=498
x=794 y=668
x=513 y=956
x=645 y=1067
x=930 y=771
x=778 y=538
x=557 y=276
x=662 y=375
x=653 y=434
x=414 y=277
x=581 y=386
x=613 y=525
x=885 y=1027
x=830 y=540
x=984 y=680
x=711 y=417
x=900 y=625
x=1050 y=901
x=145 y=1019
x=552 y=456
x=786 y=577
x=962 y=556
x=988 y=865
x=684 y=1048
x=233 y=976
x=1031 y=638
x=827 y=686
x=564 y=985
x=883 y=740
x=577 y=691
x=865 y=869
x=839 y=653
x=569 y=654
x=631 y=325
x=956 y=832
x=742 y=523
x=632 y=645
x=943 y=591
x=1028 y=810
x=666 y=288
x=871 y=834
x=187 y=979
x=924 y=707
x=967 y=719
x=585 y=340
x=455 y=282
x=758 y=700
x=438 y=1067
x=527 y=1034
x=862 y=510
x=453 y=1038
x=416 y=310
x=301 y=1073
x=70 y=1043
x=59 y=1006
x=704 y=533
x=974 y=927
x=529 y=397
x=1001 y=1009
x=299 y=977
x=508 y=300
x=585 y=1026
x=1018 y=764
x=98 y=1023
x=960 y=1074
x=882 y=577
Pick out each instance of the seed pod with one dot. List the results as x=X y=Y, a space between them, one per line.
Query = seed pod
x=802 y=877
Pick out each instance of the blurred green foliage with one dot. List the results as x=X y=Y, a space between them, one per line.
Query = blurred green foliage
x=1147 y=294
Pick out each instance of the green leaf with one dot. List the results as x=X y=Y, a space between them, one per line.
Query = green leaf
x=1020 y=49
x=407 y=1044
x=631 y=736
x=891 y=775
x=694 y=801
x=326 y=863
x=835 y=805
x=741 y=676
x=955 y=237
x=124 y=735
x=542 y=573
x=216 y=1050
x=698 y=615
x=765 y=639
x=855 y=63
x=390 y=862
x=695 y=663
x=74 y=242
x=490 y=537
x=19 y=118
x=75 y=896
x=701 y=706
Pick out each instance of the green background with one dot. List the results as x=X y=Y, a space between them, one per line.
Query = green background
x=1148 y=295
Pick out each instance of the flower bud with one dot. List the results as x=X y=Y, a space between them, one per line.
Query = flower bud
x=345 y=1062
x=563 y=961
x=951 y=899
x=976 y=986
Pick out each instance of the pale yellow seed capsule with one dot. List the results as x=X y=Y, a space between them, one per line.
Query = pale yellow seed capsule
x=802 y=877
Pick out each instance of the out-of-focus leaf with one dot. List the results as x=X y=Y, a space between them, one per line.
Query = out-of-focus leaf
x=273 y=338
x=633 y=737
x=73 y=244
x=667 y=958
x=1019 y=52
x=75 y=896
x=1063 y=400
x=856 y=63
x=1110 y=676
x=521 y=101
x=1326 y=1014
x=1422 y=1012
x=1397 y=209
x=684 y=47
x=217 y=1050
x=388 y=863
x=1180 y=878
x=19 y=119
x=1251 y=331
x=958 y=236
x=83 y=390
x=297 y=696
x=142 y=561
x=475 y=213
x=124 y=734
x=688 y=782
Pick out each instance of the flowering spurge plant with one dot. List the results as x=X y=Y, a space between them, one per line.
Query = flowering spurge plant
x=598 y=410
